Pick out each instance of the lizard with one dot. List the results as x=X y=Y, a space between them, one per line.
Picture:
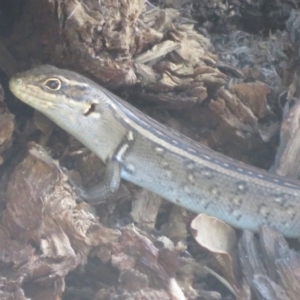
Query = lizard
x=139 y=149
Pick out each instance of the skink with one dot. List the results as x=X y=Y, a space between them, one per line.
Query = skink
x=140 y=150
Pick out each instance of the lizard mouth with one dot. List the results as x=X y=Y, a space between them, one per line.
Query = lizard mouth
x=30 y=94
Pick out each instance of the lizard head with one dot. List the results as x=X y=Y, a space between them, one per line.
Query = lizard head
x=49 y=88
x=74 y=102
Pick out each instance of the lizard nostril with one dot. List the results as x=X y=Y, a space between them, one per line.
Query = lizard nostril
x=18 y=81
x=15 y=83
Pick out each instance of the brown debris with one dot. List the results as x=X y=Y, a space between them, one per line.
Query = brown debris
x=221 y=241
x=220 y=84
x=89 y=34
x=269 y=266
x=254 y=96
x=145 y=257
x=232 y=109
x=7 y=62
x=176 y=227
x=7 y=127
x=145 y=208
x=127 y=43
x=287 y=157
x=41 y=210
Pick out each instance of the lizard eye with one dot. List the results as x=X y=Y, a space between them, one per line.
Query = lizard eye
x=53 y=84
